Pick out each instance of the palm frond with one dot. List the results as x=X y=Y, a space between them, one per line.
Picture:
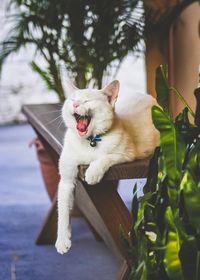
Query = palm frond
x=9 y=46
x=89 y=37
x=44 y=74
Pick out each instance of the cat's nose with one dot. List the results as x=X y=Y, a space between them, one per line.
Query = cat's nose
x=76 y=104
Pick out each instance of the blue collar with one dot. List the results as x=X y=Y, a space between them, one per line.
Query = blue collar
x=94 y=139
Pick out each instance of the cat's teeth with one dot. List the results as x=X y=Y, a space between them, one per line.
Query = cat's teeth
x=79 y=117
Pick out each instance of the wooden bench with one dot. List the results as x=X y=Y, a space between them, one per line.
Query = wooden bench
x=101 y=204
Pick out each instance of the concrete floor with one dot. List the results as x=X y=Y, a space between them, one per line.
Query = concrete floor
x=23 y=206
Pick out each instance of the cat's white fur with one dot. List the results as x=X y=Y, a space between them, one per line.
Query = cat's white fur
x=127 y=134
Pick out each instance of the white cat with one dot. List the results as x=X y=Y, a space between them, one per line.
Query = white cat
x=100 y=136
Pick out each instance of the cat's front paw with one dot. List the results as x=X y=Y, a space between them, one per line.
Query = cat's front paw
x=63 y=245
x=93 y=174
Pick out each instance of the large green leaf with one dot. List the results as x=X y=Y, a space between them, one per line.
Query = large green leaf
x=152 y=176
x=140 y=273
x=171 y=260
x=135 y=204
x=191 y=193
x=193 y=158
x=185 y=128
x=150 y=227
x=162 y=87
x=172 y=144
x=190 y=259
x=161 y=204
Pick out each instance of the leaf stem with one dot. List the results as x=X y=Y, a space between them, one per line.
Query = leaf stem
x=182 y=99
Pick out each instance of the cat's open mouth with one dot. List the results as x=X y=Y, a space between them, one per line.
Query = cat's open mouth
x=82 y=123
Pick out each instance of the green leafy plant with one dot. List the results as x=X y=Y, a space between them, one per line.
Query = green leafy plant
x=88 y=39
x=164 y=241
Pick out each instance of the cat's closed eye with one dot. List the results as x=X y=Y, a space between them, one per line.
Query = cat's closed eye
x=82 y=102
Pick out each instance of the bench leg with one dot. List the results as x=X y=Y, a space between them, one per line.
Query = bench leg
x=105 y=210
x=124 y=271
x=48 y=232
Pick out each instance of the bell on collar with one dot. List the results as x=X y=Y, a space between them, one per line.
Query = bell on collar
x=93 y=143
x=94 y=139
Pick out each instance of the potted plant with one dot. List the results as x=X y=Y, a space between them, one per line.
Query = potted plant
x=84 y=40
x=164 y=240
x=86 y=48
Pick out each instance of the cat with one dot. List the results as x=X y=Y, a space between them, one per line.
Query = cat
x=100 y=136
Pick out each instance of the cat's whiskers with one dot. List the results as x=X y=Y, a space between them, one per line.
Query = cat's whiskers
x=60 y=116
x=60 y=123
x=51 y=112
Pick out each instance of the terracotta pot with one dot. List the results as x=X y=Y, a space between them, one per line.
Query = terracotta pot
x=49 y=173
x=48 y=170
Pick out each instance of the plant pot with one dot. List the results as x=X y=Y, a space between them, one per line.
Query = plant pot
x=49 y=173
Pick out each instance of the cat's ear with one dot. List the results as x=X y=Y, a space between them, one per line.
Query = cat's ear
x=111 y=91
x=70 y=88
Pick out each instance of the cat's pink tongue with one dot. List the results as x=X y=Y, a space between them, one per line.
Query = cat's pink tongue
x=82 y=125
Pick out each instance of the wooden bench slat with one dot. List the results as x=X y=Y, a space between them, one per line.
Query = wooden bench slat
x=45 y=118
